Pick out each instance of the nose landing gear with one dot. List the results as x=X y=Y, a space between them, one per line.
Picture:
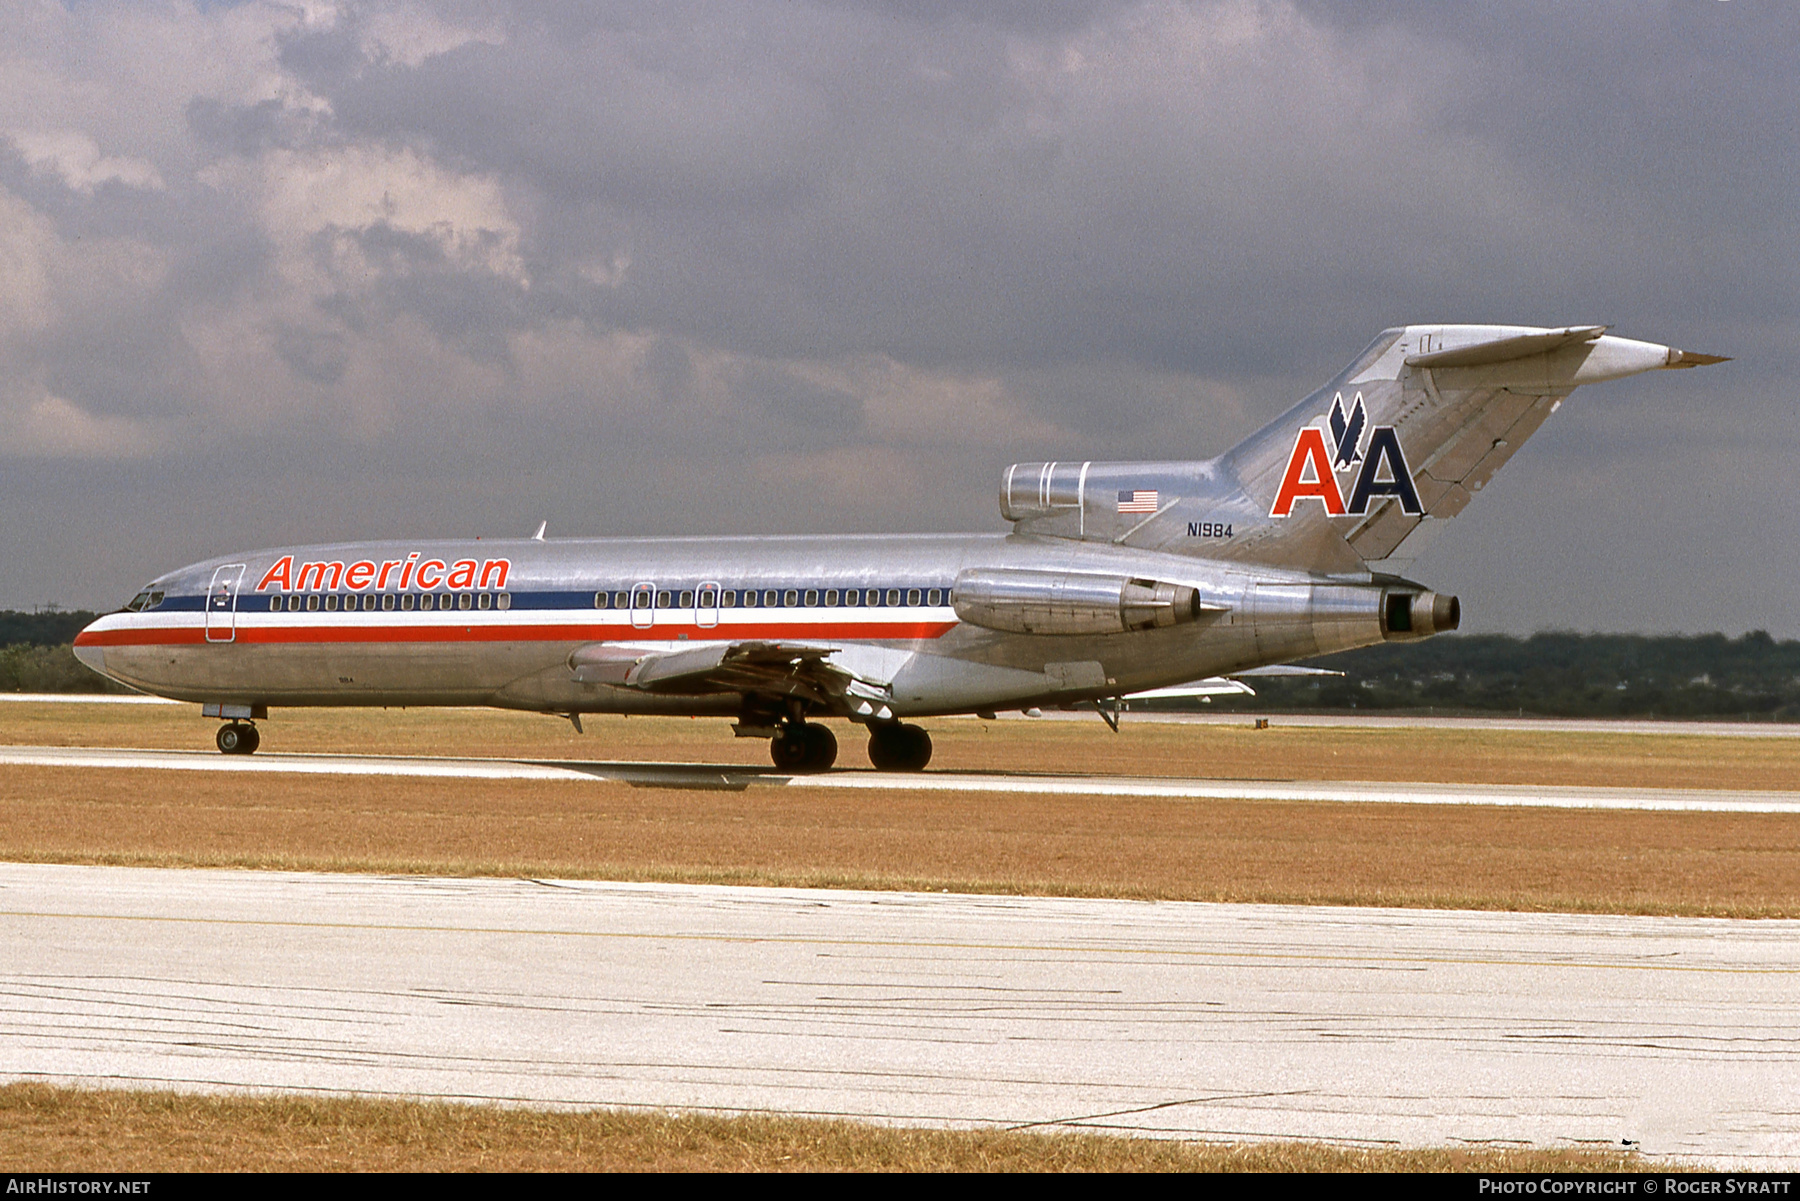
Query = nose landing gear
x=238 y=738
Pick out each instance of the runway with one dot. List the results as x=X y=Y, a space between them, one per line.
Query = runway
x=1220 y=1022
x=738 y=777
x=1401 y=721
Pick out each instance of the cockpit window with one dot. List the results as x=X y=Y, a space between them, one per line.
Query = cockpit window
x=147 y=599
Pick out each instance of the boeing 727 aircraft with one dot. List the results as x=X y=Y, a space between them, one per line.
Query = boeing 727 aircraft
x=1117 y=579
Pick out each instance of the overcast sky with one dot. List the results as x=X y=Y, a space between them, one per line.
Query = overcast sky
x=276 y=273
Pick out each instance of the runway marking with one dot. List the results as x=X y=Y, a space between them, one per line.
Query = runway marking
x=1653 y=727
x=84 y=698
x=914 y=944
x=738 y=777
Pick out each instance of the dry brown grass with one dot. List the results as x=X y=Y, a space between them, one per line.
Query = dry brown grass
x=45 y=1129
x=1721 y=864
x=1467 y=857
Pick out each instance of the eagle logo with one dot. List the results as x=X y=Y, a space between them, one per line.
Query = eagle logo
x=1347 y=432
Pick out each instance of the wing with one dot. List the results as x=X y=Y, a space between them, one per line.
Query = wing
x=1231 y=685
x=1211 y=686
x=784 y=669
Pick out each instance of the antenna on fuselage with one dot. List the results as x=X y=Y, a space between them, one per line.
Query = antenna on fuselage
x=539 y=536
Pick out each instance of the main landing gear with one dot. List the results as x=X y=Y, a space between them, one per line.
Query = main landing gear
x=896 y=746
x=798 y=745
x=238 y=738
x=802 y=746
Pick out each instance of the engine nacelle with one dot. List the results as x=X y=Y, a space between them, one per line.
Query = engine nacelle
x=1300 y=620
x=1058 y=602
x=1418 y=614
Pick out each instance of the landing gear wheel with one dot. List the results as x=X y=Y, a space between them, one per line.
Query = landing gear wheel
x=821 y=747
x=238 y=739
x=803 y=748
x=899 y=747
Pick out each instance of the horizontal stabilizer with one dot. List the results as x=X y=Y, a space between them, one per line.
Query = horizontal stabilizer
x=1502 y=350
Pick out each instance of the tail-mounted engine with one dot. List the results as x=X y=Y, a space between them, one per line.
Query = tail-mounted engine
x=1418 y=614
x=1056 y=602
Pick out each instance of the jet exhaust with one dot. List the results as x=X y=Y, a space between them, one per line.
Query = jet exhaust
x=1411 y=615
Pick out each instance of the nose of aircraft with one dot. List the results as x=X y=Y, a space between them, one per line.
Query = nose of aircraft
x=89 y=654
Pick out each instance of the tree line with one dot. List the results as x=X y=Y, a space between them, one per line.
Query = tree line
x=1552 y=675
x=35 y=655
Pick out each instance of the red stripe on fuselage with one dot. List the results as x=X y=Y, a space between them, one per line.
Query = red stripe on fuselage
x=735 y=632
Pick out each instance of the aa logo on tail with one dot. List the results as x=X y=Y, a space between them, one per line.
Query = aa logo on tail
x=1381 y=457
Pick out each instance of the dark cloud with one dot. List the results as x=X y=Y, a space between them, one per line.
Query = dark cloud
x=761 y=266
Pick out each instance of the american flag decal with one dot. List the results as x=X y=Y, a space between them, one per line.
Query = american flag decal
x=1139 y=501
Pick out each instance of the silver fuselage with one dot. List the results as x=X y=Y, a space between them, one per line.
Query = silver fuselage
x=216 y=636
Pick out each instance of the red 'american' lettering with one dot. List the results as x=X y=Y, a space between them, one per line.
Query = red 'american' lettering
x=362 y=575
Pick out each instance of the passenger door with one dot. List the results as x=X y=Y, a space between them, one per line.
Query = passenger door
x=706 y=605
x=643 y=605
x=221 y=603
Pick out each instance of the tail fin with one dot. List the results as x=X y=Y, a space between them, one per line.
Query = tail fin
x=1357 y=476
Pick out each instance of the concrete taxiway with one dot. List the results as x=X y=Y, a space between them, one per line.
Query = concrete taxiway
x=1223 y=1022
x=710 y=776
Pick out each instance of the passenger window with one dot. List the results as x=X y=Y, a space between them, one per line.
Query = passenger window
x=485 y=601
x=662 y=600
x=771 y=597
x=709 y=597
x=600 y=599
x=893 y=596
x=406 y=602
x=274 y=604
x=293 y=603
x=812 y=598
x=749 y=598
x=312 y=603
x=830 y=598
x=387 y=600
x=687 y=599
x=504 y=600
x=642 y=599
x=331 y=603
x=463 y=600
x=935 y=598
x=619 y=601
x=727 y=598
x=791 y=597
x=912 y=596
